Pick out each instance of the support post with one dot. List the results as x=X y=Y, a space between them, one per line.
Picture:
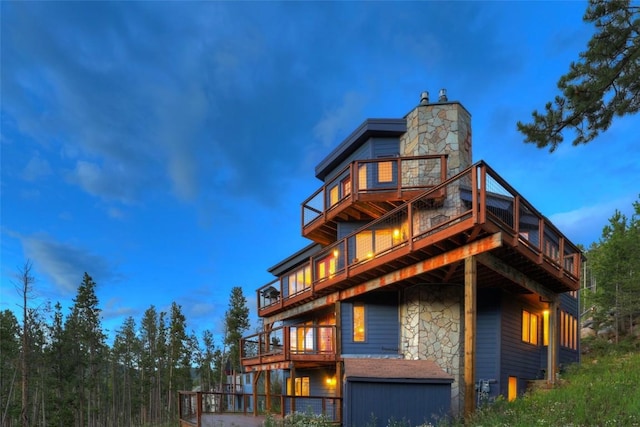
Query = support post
x=199 y=408
x=254 y=386
x=470 y=278
x=292 y=380
x=552 y=349
x=267 y=391
x=338 y=351
x=338 y=403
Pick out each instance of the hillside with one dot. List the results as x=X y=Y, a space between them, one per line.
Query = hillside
x=603 y=391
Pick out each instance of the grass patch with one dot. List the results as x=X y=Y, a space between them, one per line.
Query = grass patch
x=602 y=391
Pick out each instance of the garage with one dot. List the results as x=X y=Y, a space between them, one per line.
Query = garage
x=413 y=391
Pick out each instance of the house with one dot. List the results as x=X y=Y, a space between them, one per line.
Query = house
x=430 y=285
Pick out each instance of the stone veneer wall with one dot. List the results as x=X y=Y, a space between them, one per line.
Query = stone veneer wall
x=431 y=314
x=440 y=128
x=431 y=328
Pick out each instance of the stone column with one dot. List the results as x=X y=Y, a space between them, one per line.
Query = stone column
x=440 y=128
x=431 y=329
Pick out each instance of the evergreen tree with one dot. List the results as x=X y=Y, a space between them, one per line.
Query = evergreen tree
x=179 y=355
x=126 y=355
x=87 y=344
x=236 y=322
x=9 y=366
x=206 y=361
x=615 y=263
x=604 y=83
x=60 y=370
x=149 y=363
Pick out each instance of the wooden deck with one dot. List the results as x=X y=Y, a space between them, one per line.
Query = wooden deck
x=231 y=420
x=478 y=203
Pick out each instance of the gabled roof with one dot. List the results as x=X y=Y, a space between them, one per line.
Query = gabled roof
x=396 y=369
x=369 y=128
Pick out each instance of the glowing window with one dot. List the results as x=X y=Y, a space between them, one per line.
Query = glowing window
x=568 y=331
x=302 y=338
x=545 y=327
x=529 y=327
x=302 y=386
x=384 y=239
x=334 y=195
x=364 y=245
x=299 y=280
x=358 y=322
x=385 y=172
x=513 y=389
x=326 y=267
x=362 y=177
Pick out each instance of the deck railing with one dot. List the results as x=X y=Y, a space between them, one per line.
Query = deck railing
x=310 y=342
x=384 y=175
x=473 y=197
x=195 y=407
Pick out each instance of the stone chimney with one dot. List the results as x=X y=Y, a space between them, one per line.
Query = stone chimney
x=442 y=127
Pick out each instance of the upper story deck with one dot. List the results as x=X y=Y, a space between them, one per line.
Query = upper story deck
x=365 y=190
x=474 y=204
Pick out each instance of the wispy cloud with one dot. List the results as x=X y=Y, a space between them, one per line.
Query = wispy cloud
x=584 y=225
x=36 y=168
x=65 y=263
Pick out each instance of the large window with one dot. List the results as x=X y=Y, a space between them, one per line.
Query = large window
x=302 y=386
x=302 y=338
x=326 y=267
x=529 y=327
x=299 y=280
x=325 y=332
x=358 y=322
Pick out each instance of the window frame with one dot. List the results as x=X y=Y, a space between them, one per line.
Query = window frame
x=358 y=336
x=530 y=330
x=302 y=384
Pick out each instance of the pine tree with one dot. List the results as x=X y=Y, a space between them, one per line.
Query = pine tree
x=604 y=83
x=236 y=322
x=9 y=366
x=616 y=265
x=126 y=354
x=24 y=287
x=60 y=370
x=148 y=362
x=179 y=355
x=206 y=361
x=87 y=344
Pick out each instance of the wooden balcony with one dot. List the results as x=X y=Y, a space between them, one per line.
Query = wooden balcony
x=367 y=189
x=466 y=208
x=307 y=345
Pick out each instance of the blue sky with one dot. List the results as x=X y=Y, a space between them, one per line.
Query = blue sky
x=165 y=147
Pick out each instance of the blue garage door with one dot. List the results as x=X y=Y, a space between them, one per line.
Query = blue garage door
x=414 y=402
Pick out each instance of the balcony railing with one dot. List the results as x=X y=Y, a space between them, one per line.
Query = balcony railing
x=298 y=342
x=474 y=197
x=198 y=409
x=362 y=178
